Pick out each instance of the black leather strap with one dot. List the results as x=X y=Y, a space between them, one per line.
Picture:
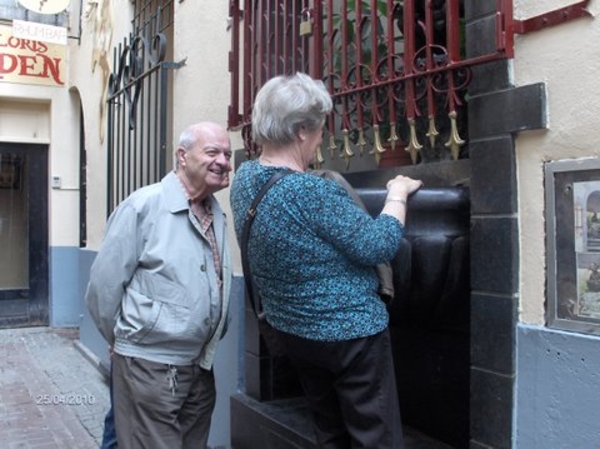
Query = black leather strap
x=256 y=306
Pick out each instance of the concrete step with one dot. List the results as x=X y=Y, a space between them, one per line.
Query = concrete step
x=286 y=424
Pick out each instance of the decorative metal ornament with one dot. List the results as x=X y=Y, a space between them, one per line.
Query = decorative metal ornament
x=413 y=144
x=318 y=158
x=432 y=133
x=332 y=146
x=454 y=142
x=378 y=149
x=347 y=152
x=393 y=136
x=361 y=143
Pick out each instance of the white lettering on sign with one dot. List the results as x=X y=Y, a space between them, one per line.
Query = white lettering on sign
x=40 y=32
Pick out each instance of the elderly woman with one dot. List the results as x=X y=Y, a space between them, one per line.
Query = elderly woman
x=312 y=253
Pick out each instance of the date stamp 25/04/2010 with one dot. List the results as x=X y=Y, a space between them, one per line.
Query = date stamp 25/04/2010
x=64 y=399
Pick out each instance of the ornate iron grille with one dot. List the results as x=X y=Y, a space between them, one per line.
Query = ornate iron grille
x=138 y=106
x=273 y=45
x=397 y=71
x=153 y=15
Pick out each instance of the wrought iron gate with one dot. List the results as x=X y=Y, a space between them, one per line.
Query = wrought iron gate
x=138 y=106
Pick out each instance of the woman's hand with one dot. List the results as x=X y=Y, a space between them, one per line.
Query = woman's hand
x=401 y=187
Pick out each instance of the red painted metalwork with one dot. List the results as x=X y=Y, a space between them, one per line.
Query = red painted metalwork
x=505 y=28
x=393 y=71
x=358 y=68
x=409 y=56
x=316 y=65
x=247 y=75
x=552 y=18
x=452 y=37
x=431 y=109
x=234 y=55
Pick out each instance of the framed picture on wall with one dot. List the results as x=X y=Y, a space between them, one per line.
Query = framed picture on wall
x=573 y=244
x=10 y=172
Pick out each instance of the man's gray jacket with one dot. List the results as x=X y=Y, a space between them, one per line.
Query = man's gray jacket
x=153 y=291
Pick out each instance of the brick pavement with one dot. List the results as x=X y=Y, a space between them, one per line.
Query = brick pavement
x=51 y=395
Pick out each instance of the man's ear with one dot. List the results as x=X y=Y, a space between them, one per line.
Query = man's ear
x=180 y=155
x=301 y=133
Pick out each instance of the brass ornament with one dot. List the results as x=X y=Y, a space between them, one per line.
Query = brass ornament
x=318 y=161
x=362 y=143
x=432 y=133
x=332 y=146
x=347 y=152
x=393 y=136
x=413 y=143
x=378 y=149
x=454 y=142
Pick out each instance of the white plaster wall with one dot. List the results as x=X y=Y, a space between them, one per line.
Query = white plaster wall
x=24 y=120
x=87 y=80
x=524 y=9
x=557 y=396
x=60 y=129
x=202 y=86
x=567 y=59
x=40 y=114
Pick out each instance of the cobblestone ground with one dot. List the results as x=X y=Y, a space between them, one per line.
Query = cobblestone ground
x=51 y=396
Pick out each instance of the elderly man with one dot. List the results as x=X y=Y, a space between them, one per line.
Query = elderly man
x=159 y=292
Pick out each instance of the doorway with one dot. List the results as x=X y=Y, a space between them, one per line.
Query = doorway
x=23 y=234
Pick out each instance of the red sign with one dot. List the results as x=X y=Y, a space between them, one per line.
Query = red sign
x=27 y=61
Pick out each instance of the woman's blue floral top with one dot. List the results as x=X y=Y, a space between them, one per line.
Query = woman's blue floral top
x=312 y=253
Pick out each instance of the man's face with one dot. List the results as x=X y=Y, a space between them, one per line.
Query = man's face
x=206 y=166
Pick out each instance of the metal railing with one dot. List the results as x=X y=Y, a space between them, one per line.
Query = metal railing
x=397 y=70
x=138 y=106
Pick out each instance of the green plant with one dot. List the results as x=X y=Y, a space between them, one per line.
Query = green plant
x=349 y=26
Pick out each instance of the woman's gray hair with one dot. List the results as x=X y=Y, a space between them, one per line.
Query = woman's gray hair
x=287 y=103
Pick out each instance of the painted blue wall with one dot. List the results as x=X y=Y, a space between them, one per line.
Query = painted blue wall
x=227 y=365
x=65 y=306
x=558 y=389
x=88 y=333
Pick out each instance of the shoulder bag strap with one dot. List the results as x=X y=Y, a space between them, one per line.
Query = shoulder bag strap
x=256 y=306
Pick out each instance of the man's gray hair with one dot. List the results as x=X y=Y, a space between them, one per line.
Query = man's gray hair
x=287 y=103
x=187 y=139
